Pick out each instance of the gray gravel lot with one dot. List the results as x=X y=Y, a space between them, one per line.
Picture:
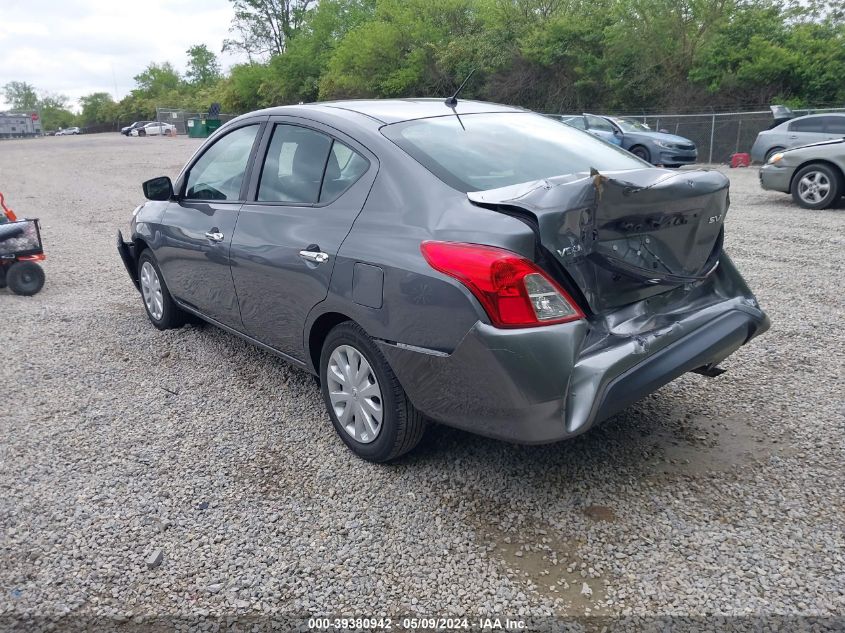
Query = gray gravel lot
x=118 y=441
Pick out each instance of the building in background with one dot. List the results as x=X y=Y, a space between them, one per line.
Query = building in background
x=19 y=124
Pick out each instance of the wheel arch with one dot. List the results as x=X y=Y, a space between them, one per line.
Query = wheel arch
x=318 y=332
x=771 y=151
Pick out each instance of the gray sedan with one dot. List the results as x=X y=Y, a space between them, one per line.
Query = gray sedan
x=658 y=148
x=469 y=263
x=795 y=132
x=813 y=174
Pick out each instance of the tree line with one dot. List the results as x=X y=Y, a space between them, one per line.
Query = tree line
x=547 y=55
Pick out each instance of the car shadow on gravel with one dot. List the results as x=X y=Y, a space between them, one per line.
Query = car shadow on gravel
x=655 y=437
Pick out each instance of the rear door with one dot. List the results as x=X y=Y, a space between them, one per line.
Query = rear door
x=197 y=228
x=806 y=130
x=310 y=187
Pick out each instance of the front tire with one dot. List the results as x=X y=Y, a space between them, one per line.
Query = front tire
x=142 y=132
x=25 y=278
x=641 y=152
x=816 y=186
x=368 y=407
x=159 y=305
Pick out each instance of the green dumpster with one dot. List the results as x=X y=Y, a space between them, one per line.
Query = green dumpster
x=212 y=125
x=197 y=128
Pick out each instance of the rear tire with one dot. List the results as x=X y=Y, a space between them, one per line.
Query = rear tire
x=159 y=305
x=25 y=278
x=358 y=386
x=641 y=152
x=816 y=186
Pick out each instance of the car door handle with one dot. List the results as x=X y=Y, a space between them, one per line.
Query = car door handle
x=214 y=236
x=318 y=257
x=793 y=136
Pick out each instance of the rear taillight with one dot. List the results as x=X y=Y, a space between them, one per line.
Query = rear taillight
x=513 y=290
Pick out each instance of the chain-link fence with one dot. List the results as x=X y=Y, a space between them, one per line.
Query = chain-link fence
x=179 y=117
x=718 y=135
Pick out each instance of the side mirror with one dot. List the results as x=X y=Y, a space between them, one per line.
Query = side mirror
x=160 y=188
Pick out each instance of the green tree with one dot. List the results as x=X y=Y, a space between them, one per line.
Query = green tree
x=264 y=27
x=397 y=52
x=203 y=67
x=20 y=95
x=157 y=79
x=55 y=112
x=295 y=76
x=240 y=91
x=97 y=108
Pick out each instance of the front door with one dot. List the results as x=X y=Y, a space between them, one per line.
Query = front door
x=198 y=227
x=305 y=197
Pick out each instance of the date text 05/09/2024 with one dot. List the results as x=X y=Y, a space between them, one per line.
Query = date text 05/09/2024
x=423 y=623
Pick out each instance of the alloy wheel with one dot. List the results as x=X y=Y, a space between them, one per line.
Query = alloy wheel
x=813 y=187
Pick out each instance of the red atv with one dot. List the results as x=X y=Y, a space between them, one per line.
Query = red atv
x=20 y=252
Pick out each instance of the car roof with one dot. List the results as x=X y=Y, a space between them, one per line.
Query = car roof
x=814 y=115
x=388 y=111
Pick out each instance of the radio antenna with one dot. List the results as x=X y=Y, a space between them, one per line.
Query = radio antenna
x=453 y=100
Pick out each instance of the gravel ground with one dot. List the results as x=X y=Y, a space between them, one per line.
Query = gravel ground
x=188 y=473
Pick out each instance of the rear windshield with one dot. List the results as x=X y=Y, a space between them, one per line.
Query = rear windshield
x=475 y=152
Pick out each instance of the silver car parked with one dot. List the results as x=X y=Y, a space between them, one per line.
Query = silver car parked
x=795 y=132
x=814 y=174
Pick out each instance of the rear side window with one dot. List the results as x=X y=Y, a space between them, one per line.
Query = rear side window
x=307 y=167
x=475 y=152
x=219 y=173
x=345 y=166
x=808 y=124
x=834 y=125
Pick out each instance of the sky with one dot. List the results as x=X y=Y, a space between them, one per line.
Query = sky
x=76 y=47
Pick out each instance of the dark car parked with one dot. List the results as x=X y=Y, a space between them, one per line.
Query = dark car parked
x=658 y=148
x=127 y=131
x=474 y=264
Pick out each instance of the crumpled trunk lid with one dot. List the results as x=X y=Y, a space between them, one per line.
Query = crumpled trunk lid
x=623 y=236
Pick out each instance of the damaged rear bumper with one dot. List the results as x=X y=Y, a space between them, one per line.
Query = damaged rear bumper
x=537 y=386
x=127 y=253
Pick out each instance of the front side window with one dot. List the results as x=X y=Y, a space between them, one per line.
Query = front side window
x=486 y=151
x=219 y=173
x=598 y=123
x=628 y=125
x=307 y=167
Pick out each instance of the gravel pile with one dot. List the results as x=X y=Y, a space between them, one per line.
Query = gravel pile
x=187 y=473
